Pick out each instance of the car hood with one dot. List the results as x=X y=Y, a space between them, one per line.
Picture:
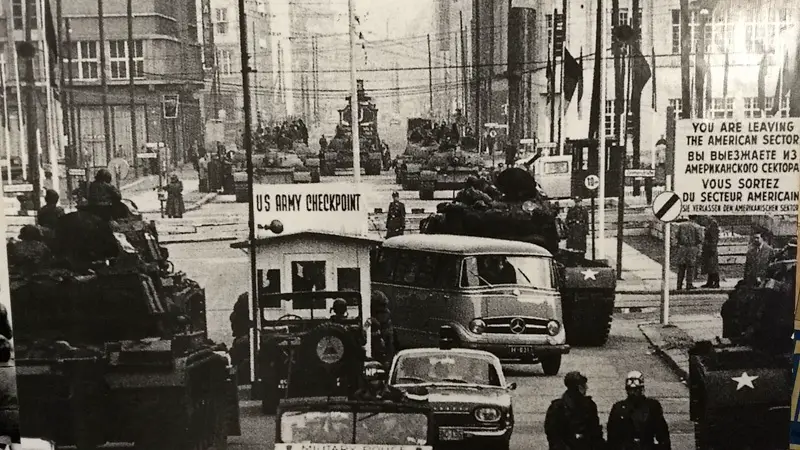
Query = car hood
x=456 y=395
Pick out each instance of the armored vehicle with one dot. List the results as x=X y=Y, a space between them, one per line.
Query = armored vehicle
x=307 y=356
x=523 y=214
x=111 y=343
x=298 y=164
x=419 y=146
x=339 y=154
x=318 y=422
x=448 y=168
x=740 y=386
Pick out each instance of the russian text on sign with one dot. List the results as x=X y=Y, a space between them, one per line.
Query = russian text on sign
x=742 y=167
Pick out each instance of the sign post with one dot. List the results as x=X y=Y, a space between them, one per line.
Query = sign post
x=592 y=182
x=666 y=207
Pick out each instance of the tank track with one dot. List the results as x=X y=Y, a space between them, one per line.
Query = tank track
x=587 y=316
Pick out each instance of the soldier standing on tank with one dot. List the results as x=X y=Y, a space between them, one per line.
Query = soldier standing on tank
x=637 y=423
x=472 y=194
x=577 y=222
x=396 y=217
x=572 y=422
x=102 y=195
x=689 y=238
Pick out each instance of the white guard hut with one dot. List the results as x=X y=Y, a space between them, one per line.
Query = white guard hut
x=313 y=261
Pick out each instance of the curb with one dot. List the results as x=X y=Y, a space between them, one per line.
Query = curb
x=693 y=292
x=665 y=355
x=194 y=241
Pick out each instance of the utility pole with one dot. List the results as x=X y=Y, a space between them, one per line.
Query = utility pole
x=464 y=86
x=73 y=152
x=248 y=148
x=601 y=141
x=619 y=80
x=518 y=42
x=561 y=99
x=430 y=76
x=637 y=122
x=62 y=96
x=355 y=126
x=700 y=65
x=686 y=50
x=27 y=51
x=255 y=64
x=476 y=71
x=552 y=80
x=104 y=81
x=132 y=88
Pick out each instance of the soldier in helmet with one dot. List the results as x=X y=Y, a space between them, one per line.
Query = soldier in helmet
x=102 y=195
x=572 y=422
x=339 y=310
x=577 y=222
x=383 y=348
x=472 y=193
x=375 y=386
x=396 y=217
x=637 y=423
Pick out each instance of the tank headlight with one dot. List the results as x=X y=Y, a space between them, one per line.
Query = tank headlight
x=438 y=169
x=477 y=326
x=528 y=206
x=553 y=327
x=487 y=414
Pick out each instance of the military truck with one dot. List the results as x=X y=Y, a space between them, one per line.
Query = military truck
x=274 y=166
x=418 y=149
x=339 y=154
x=112 y=346
x=523 y=214
x=310 y=356
x=740 y=385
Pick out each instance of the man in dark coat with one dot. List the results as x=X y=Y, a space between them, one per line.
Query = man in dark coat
x=577 y=222
x=637 y=423
x=29 y=253
x=757 y=260
x=689 y=237
x=572 y=422
x=50 y=213
x=384 y=348
x=396 y=217
x=709 y=254
x=103 y=196
x=323 y=143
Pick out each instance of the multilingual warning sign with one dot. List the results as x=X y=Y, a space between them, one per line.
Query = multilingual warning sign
x=738 y=167
x=330 y=207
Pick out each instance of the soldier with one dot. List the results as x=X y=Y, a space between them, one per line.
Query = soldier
x=571 y=422
x=472 y=194
x=375 y=387
x=240 y=327
x=323 y=143
x=757 y=259
x=689 y=237
x=49 y=214
x=29 y=253
x=637 y=423
x=339 y=310
x=396 y=217
x=102 y=195
x=577 y=222
x=382 y=349
x=709 y=254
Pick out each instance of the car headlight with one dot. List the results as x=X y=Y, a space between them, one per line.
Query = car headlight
x=477 y=326
x=487 y=414
x=553 y=327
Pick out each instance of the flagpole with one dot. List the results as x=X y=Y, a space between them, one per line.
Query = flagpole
x=53 y=141
x=561 y=106
x=6 y=124
x=551 y=82
x=21 y=141
x=601 y=148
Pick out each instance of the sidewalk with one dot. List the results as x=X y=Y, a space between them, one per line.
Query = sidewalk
x=144 y=192
x=672 y=342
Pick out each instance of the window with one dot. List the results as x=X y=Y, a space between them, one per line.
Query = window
x=221 y=21
x=677 y=106
x=86 y=60
x=224 y=62
x=676 y=31
x=609 y=118
x=752 y=110
x=269 y=284
x=118 y=52
x=718 y=32
x=490 y=270
x=416 y=269
x=383 y=265
x=559 y=33
x=17 y=14
x=720 y=108
x=556 y=167
x=348 y=279
x=308 y=276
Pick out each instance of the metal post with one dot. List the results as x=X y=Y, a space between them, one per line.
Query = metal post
x=464 y=91
x=664 y=316
x=31 y=109
x=686 y=50
x=355 y=126
x=248 y=148
x=73 y=123
x=699 y=64
x=104 y=81
x=132 y=86
x=430 y=76
x=601 y=148
x=551 y=82
x=594 y=233
x=620 y=216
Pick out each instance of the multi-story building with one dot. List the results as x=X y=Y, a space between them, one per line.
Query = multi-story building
x=223 y=97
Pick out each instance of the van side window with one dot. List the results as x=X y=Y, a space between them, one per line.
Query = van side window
x=383 y=265
x=447 y=272
x=404 y=272
x=425 y=269
x=469 y=272
x=348 y=279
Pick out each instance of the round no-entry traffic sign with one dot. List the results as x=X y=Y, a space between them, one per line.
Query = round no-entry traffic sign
x=493 y=133
x=592 y=182
x=667 y=206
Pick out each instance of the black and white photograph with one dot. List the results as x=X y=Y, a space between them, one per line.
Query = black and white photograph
x=399 y=224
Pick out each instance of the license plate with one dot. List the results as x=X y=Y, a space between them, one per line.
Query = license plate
x=521 y=350
x=451 y=434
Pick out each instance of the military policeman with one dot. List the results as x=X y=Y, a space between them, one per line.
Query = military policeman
x=577 y=226
x=382 y=348
x=375 y=387
x=572 y=422
x=396 y=217
x=637 y=423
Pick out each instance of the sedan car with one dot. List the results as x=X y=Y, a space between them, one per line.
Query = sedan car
x=465 y=388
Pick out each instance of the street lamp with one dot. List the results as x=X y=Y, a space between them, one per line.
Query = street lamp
x=276 y=226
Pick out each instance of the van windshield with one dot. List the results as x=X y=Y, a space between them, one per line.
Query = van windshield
x=492 y=270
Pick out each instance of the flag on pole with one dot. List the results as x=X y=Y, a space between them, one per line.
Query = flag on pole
x=550 y=78
x=762 y=80
x=573 y=75
x=580 y=83
x=654 y=86
x=640 y=75
x=725 y=76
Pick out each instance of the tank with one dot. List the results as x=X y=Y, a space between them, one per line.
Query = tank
x=111 y=343
x=418 y=149
x=522 y=213
x=339 y=154
x=740 y=386
x=448 y=168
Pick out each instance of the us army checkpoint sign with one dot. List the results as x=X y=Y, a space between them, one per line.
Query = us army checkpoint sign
x=331 y=207
x=738 y=167
x=667 y=206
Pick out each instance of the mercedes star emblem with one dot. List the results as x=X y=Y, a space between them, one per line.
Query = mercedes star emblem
x=517 y=325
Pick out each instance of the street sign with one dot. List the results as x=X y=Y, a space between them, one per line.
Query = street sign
x=77 y=172
x=592 y=182
x=667 y=206
x=738 y=167
x=18 y=188
x=527 y=141
x=147 y=155
x=640 y=173
x=493 y=133
x=170 y=106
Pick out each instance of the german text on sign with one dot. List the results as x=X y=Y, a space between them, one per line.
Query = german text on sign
x=329 y=207
x=738 y=167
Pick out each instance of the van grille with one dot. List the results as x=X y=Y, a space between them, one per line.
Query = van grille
x=502 y=325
